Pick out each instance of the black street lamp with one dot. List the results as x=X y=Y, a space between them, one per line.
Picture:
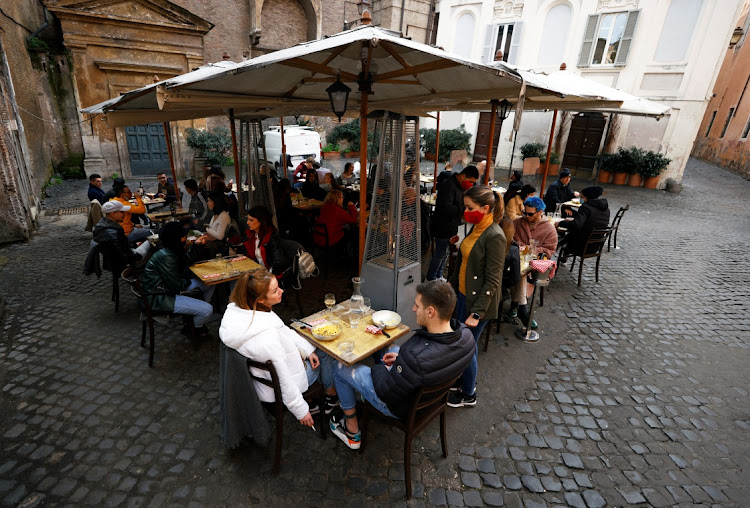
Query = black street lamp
x=503 y=110
x=338 y=93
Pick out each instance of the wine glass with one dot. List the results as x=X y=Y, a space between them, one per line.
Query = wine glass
x=330 y=301
x=366 y=306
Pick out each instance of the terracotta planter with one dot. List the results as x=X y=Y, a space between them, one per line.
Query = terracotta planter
x=604 y=176
x=635 y=180
x=553 y=169
x=620 y=178
x=651 y=182
x=429 y=156
x=331 y=155
x=352 y=155
x=531 y=165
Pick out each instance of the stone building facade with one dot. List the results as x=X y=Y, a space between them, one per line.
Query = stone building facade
x=723 y=135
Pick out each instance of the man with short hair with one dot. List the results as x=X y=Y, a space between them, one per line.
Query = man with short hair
x=95 y=188
x=198 y=206
x=110 y=231
x=449 y=212
x=134 y=234
x=166 y=188
x=436 y=353
x=300 y=173
x=532 y=226
x=560 y=192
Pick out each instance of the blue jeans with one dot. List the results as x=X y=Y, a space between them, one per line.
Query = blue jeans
x=358 y=378
x=200 y=310
x=324 y=371
x=469 y=377
x=139 y=235
x=437 y=263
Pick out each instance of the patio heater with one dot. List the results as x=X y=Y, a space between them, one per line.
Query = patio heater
x=256 y=184
x=392 y=265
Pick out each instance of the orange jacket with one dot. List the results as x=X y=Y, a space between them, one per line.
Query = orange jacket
x=127 y=222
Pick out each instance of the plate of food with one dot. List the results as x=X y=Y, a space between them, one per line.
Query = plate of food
x=387 y=318
x=326 y=330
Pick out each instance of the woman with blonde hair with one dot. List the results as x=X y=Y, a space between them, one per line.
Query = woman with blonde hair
x=478 y=279
x=252 y=328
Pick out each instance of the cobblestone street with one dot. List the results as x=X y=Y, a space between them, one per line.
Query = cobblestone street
x=637 y=392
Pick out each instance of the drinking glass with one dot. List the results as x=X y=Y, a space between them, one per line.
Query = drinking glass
x=354 y=316
x=330 y=301
x=219 y=262
x=366 y=306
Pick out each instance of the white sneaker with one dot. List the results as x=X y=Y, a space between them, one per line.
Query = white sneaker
x=353 y=441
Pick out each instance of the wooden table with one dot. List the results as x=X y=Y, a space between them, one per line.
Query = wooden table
x=180 y=213
x=365 y=343
x=307 y=205
x=207 y=270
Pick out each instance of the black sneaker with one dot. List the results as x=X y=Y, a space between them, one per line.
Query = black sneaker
x=314 y=409
x=331 y=403
x=456 y=386
x=458 y=399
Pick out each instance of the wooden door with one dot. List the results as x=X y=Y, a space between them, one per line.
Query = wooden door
x=147 y=149
x=483 y=134
x=583 y=142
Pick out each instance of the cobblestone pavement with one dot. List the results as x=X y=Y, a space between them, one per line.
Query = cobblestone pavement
x=637 y=392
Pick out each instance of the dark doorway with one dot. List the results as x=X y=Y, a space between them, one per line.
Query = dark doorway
x=583 y=143
x=483 y=134
x=147 y=149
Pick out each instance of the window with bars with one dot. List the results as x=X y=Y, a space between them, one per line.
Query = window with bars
x=608 y=38
x=726 y=124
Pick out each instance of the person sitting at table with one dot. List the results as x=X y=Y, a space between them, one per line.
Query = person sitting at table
x=311 y=188
x=559 y=192
x=221 y=225
x=593 y=214
x=168 y=281
x=95 y=188
x=166 y=188
x=532 y=226
x=134 y=233
x=329 y=183
x=304 y=167
x=263 y=244
x=515 y=186
x=108 y=231
x=336 y=217
x=110 y=194
x=198 y=205
x=285 y=211
x=348 y=177
x=252 y=328
x=514 y=207
x=215 y=179
x=437 y=352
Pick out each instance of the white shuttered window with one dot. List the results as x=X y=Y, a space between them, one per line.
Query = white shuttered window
x=505 y=38
x=608 y=38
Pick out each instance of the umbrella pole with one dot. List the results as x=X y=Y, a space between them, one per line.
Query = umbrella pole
x=490 y=162
x=512 y=153
x=437 y=151
x=362 y=178
x=283 y=150
x=549 y=151
x=168 y=138
x=238 y=182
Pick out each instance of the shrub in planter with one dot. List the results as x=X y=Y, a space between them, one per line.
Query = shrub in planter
x=213 y=144
x=534 y=150
x=450 y=139
x=331 y=151
x=653 y=164
x=349 y=132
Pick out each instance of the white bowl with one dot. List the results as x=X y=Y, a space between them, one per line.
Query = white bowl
x=386 y=317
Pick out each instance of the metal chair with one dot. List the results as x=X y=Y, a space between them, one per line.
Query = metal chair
x=429 y=403
x=314 y=392
x=616 y=225
x=591 y=249
x=135 y=286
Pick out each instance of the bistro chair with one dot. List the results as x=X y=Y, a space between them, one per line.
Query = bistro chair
x=313 y=393
x=592 y=249
x=320 y=231
x=616 y=225
x=113 y=261
x=149 y=315
x=429 y=403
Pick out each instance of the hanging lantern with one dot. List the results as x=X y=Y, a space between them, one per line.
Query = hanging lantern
x=338 y=93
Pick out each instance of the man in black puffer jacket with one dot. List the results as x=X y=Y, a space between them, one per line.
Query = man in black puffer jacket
x=593 y=214
x=434 y=355
x=109 y=236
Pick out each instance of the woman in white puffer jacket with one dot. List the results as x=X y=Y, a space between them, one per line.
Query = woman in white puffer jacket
x=255 y=331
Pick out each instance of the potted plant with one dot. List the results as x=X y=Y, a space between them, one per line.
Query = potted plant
x=607 y=162
x=554 y=163
x=653 y=164
x=450 y=139
x=532 y=155
x=331 y=151
x=213 y=144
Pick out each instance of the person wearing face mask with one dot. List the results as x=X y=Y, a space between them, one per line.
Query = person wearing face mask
x=449 y=208
x=478 y=280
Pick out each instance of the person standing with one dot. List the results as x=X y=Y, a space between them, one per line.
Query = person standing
x=95 y=188
x=478 y=280
x=449 y=211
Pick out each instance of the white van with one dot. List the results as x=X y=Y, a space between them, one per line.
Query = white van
x=301 y=142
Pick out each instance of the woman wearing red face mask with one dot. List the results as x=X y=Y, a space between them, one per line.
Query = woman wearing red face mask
x=477 y=281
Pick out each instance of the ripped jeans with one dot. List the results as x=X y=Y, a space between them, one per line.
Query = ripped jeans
x=358 y=378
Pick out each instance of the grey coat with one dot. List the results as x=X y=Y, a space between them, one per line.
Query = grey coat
x=484 y=273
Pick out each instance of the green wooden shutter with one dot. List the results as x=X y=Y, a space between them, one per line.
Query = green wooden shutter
x=584 y=58
x=627 y=38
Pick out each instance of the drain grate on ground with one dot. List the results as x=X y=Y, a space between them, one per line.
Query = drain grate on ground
x=68 y=211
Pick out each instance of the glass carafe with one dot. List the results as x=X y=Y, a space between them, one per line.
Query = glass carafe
x=356 y=299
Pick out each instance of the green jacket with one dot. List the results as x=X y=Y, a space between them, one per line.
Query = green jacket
x=484 y=273
x=163 y=279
